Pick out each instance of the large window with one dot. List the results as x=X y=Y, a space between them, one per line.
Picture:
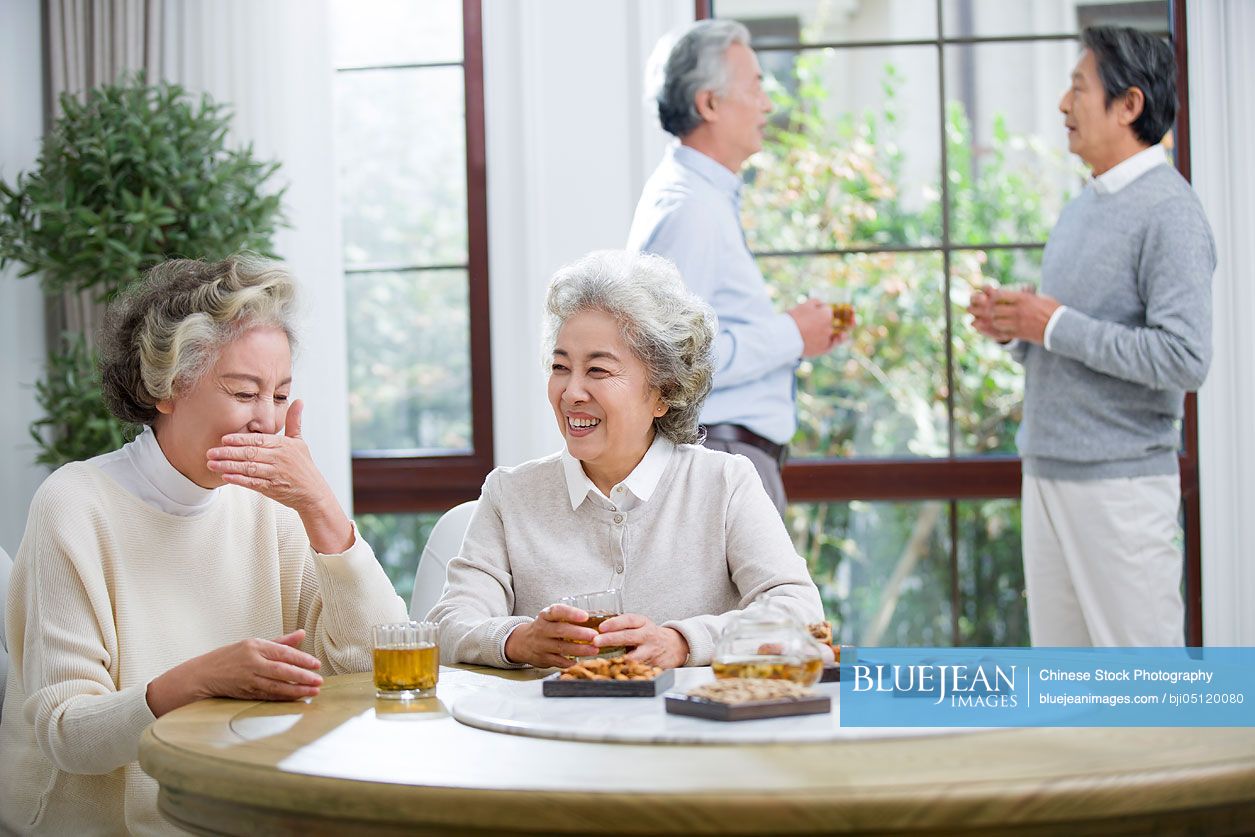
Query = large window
x=410 y=148
x=905 y=481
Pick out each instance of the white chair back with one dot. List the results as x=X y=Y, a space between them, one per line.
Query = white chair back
x=444 y=543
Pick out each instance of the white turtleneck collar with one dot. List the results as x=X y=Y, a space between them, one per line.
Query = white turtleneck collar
x=142 y=469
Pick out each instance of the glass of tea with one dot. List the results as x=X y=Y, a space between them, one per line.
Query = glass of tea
x=765 y=641
x=599 y=606
x=842 y=317
x=407 y=660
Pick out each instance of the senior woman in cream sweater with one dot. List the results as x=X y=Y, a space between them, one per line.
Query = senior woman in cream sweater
x=207 y=558
x=687 y=534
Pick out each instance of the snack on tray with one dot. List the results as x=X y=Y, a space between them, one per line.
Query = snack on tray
x=750 y=690
x=611 y=668
x=822 y=631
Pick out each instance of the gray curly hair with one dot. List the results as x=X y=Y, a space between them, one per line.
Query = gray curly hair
x=685 y=63
x=165 y=332
x=668 y=328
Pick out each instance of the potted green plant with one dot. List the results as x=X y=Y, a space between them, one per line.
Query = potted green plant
x=130 y=174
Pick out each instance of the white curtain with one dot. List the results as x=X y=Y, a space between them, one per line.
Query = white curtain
x=1222 y=120
x=89 y=43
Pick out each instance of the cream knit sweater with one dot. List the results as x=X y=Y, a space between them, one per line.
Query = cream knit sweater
x=108 y=593
x=706 y=544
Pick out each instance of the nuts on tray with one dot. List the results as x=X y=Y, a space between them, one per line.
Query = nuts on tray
x=821 y=631
x=747 y=690
x=611 y=668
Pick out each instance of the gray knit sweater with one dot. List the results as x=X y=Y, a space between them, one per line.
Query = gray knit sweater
x=1134 y=269
x=708 y=542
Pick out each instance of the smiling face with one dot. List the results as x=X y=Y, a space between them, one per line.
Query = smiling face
x=601 y=397
x=246 y=390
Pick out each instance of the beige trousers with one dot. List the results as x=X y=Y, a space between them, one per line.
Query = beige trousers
x=1102 y=561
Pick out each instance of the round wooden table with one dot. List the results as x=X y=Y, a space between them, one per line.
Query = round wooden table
x=346 y=763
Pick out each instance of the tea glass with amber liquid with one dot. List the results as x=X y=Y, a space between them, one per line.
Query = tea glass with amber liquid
x=842 y=317
x=407 y=660
x=600 y=606
x=765 y=641
x=805 y=671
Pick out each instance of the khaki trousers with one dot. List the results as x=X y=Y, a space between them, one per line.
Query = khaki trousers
x=1102 y=561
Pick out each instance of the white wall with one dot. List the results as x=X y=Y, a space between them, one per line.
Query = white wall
x=569 y=148
x=21 y=302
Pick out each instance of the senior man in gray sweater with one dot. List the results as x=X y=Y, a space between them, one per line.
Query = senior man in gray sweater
x=1119 y=332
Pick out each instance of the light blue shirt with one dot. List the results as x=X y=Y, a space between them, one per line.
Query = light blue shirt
x=690 y=213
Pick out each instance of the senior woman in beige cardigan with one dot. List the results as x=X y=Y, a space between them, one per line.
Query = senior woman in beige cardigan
x=687 y=534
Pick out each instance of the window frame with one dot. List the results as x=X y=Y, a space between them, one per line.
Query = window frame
x=974 y=476
x=406 y=481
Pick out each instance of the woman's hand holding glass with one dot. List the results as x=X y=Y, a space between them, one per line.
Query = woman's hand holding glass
x=253 y=669
x=552 y=638
x=281 y=468
x=649 y=643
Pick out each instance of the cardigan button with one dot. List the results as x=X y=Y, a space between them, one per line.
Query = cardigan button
x=618 y=568
x=618 y=518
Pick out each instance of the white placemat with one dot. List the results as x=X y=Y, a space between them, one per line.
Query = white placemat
x=520 y=709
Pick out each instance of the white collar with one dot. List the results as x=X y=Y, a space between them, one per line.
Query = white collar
x=150 y=463
x=1126 y=171
x=641 y=482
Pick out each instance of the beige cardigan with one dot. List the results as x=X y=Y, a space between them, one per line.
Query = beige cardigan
x=108 y=592
x=706 y=544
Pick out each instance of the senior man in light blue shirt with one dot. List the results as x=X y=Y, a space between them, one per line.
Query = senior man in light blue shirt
x=710 y=96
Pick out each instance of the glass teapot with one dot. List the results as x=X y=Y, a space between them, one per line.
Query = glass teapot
x=765 y=641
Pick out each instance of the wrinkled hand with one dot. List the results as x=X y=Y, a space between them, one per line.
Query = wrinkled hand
x=278 y=466
x=982 y=310
x=814 y=323
x=1012 y=315
x=281 y=468
x=547 y=641
x=650 y=643
x=253 y=669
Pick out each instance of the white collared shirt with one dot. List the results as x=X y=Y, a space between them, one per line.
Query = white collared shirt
x=637 y=488
x=1108 y=183
x=142 y=469
x=1125 y=172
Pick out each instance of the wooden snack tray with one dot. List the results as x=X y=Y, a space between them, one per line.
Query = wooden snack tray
x=553 y=687
x=678 y=704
